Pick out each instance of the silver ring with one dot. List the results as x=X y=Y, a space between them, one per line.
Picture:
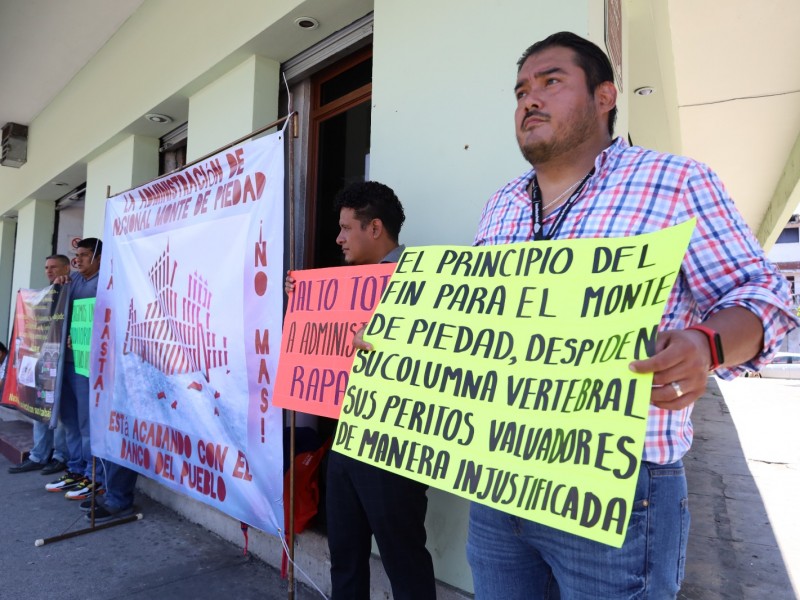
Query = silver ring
x=677 y=387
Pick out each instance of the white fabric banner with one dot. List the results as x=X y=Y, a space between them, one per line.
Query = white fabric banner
x=187 y=332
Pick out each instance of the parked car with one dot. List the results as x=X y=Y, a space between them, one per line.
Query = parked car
x=785 y=365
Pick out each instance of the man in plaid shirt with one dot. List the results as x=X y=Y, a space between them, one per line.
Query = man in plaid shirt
x=727 y=313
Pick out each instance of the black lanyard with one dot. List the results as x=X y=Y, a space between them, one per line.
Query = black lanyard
x=536 y=209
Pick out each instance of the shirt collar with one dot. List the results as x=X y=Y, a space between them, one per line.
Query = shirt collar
x=617 y=147
x=394 y=255
x=85 y=278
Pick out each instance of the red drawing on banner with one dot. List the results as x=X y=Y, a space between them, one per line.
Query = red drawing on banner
x=175 y=335
x=195 y=386
x=174 y=404
x=161 y=395
x=260 y=255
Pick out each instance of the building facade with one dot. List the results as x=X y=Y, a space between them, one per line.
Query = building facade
x=786 y=255
x=415 y=94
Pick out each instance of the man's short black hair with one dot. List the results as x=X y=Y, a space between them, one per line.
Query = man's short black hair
x=372 y=200
x=588 y=56
x=3 y=348
x=93 y=244
x=63 y=260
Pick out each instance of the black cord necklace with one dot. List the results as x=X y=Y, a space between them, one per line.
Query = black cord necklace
x=537 y=211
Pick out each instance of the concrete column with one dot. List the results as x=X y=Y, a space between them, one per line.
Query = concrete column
x=8 y=232
x=132 y=162
x=35 y=226
x=34 y=243
x=243 y=99
x=470 y=154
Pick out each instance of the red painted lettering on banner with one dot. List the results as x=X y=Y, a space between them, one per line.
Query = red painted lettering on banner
x=262 y=341
x=118 y=423
x=248 y=189
x=212 y=455
x=242 y=469
x=203 y=481
x=262 y=347
x=101 y=361
x=164 y=466
x=264 y=400
x=201 y=206
x=235 y=162
x=135 y=453
x=162 y=437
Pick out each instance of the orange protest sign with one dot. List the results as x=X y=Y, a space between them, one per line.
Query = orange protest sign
x=325 y=310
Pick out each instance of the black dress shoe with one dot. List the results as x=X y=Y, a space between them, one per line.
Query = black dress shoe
x=54 y=466
x=25 y=466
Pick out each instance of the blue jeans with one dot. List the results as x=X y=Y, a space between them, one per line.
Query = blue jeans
x=120 y=486
x=513 y=558
x=46 y=440
x=60 y=452
x=74 y=412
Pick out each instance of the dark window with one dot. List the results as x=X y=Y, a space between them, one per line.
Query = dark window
x=344 y=83
x=172 y=150
x=339 y=147
x=790 y=235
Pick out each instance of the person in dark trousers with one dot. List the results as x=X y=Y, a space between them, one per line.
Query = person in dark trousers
x=119 y=494
x=363 y=500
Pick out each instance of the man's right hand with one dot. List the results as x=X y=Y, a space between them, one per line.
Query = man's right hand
x=288 y=283
x=61 y=280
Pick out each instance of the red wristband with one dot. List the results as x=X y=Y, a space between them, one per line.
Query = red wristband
x=714 y=344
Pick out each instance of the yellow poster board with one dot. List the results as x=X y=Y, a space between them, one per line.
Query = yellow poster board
x=500 y=374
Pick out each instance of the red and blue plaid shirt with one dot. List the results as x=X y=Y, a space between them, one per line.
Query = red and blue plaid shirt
x=635 y=191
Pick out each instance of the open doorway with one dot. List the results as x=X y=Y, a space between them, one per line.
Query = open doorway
x=338 y=148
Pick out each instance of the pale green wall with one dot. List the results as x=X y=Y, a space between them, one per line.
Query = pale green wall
x=8 y=231
x=654 y=120
x=443 y=102
x=131 y=162
x=237 y=103
x=443 y=138
x=34 y=243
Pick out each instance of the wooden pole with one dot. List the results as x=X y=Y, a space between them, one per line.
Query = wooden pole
x=292 y=414
x=93 y=527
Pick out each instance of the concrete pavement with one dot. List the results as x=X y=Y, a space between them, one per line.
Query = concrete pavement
x=744 y=483
x=161 y=556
